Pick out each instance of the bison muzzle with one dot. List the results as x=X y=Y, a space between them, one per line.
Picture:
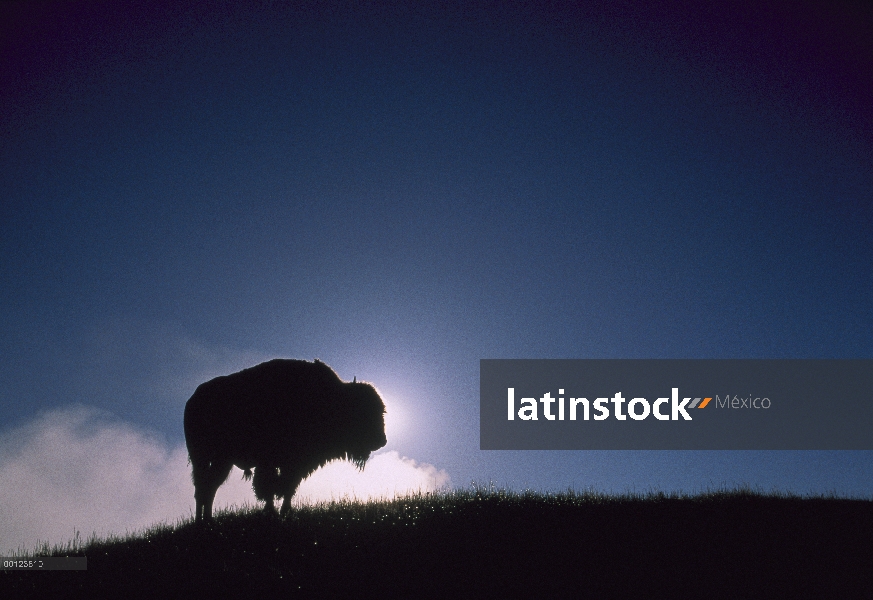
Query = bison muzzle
x=283 y=419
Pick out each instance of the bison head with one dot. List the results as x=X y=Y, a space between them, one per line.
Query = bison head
x=365 y=419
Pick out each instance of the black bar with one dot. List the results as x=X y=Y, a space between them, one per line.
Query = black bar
x=45 y=563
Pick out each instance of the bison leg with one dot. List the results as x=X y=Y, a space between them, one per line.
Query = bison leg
x=265 y=483
x=208 y=477
x=290 y=483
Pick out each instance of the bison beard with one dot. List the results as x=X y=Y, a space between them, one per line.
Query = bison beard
x=282 y=419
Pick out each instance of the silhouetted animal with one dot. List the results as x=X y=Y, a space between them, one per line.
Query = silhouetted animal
x=282 y=418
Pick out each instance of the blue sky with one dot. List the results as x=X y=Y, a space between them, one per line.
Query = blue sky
x=401 y=190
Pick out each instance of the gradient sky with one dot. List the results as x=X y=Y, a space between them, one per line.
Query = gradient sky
x=401 y=189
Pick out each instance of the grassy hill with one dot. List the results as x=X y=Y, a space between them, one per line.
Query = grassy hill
x=492 y=543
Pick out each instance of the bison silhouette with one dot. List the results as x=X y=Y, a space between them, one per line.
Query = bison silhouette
x=283 y=419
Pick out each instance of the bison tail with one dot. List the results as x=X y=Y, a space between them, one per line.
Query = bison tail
x=247 y=474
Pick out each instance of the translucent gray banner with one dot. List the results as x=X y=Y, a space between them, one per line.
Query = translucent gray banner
x=687 y=404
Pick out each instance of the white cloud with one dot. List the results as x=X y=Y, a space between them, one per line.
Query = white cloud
x=79 y=469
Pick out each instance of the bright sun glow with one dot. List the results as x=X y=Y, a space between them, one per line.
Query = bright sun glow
x=395 y=421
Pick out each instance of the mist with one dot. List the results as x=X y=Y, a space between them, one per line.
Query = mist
x=80 y=469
